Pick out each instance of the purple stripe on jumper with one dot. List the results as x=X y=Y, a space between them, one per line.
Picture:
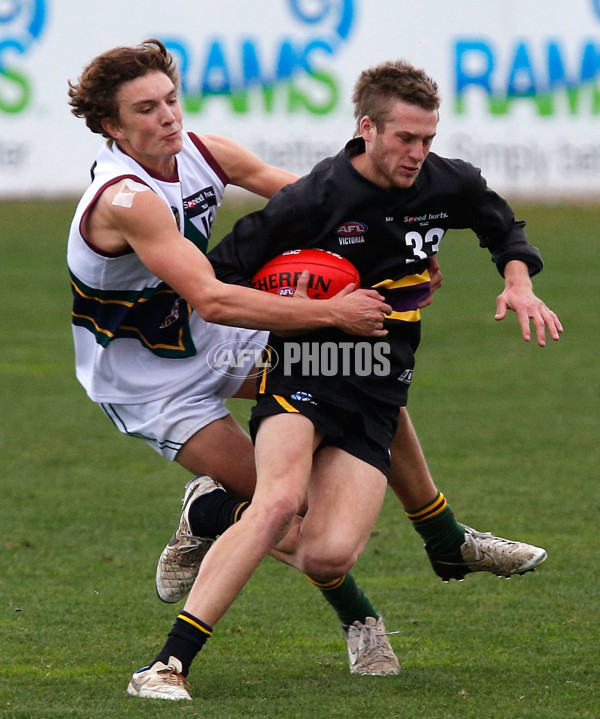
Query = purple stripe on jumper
x=405 y=299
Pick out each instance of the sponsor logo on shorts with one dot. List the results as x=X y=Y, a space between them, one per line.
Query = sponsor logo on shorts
x=241 y=358
x=303 y=397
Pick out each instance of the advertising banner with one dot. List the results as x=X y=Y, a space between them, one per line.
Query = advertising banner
x=518 y=78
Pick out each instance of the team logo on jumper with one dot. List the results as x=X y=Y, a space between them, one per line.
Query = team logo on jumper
x=173 y=315
x=351 y=233
x=241 y=358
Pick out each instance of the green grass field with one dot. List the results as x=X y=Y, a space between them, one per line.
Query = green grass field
x=511 y=434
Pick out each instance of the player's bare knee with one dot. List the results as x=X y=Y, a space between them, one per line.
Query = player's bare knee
x=324 y=564
x=274 y=518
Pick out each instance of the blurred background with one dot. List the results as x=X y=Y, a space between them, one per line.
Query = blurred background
x=519 y=81
x=510 y=430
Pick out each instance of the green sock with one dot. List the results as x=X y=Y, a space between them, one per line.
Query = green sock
x=437 y=526
x=347 y=598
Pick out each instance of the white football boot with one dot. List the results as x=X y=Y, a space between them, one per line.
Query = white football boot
x=482 y=552
x=160 y=681
x=179 y=563
x=369 y=649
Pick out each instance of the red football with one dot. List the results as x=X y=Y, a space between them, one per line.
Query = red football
x=329 y=273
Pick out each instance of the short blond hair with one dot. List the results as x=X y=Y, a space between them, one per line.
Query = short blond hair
x=377 y=88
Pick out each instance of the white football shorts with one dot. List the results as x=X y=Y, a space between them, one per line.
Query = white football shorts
x=167 y=423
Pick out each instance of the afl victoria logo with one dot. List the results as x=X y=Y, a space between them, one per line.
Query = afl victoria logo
x=351 y=233
x=349 y=229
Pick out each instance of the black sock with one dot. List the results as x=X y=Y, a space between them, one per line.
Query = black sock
x=186 y=639
x=211 y=514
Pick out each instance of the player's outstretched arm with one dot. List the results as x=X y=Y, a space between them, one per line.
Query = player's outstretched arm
x=518 y=296
x=147 y=226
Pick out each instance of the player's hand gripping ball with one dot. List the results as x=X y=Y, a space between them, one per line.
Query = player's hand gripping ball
x=329 y=273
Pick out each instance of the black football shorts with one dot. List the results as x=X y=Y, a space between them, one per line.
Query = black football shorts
x=365 y=431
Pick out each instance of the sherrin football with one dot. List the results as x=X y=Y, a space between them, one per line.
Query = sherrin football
x=329 y=273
